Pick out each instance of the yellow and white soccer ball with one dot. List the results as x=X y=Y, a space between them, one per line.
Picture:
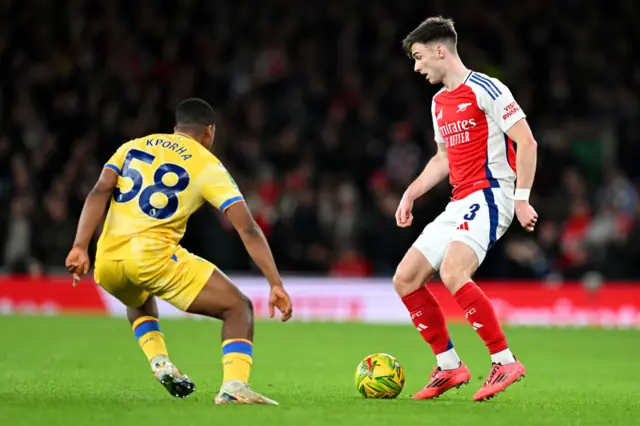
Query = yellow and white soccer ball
x=380 y=376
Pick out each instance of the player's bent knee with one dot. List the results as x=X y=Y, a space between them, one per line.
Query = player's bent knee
x=398 y=284
x=408 y=278
x=148 y=309
x=412 y=273
x=248 y=305
x=243 y=307
x=459 y=264
x=404 y=282
x=452 y=277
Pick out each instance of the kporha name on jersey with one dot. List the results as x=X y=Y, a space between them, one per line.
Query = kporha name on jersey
x=170 y=145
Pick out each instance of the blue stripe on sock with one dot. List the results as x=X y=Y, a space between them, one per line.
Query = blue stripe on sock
x=145 y=328
x=238 y=347
x=450 y=345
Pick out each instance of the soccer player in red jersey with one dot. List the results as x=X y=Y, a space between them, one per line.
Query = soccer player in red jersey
x=476 y=121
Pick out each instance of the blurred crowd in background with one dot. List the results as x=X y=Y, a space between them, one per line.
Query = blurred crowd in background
x=322 y=122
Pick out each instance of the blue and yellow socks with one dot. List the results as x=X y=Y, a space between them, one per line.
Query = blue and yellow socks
x=151 y=339
x=236 y=360
x=236 y=353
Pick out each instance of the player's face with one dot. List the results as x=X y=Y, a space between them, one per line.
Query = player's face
x=428 y=61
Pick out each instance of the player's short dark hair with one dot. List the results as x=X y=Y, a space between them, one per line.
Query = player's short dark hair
x=432 y=29
x=195 y=111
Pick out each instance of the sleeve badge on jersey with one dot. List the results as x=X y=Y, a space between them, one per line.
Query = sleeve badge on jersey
x=224 y=169
x=510 y=109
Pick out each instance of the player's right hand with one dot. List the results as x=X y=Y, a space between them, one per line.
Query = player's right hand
x=281 y=300
x=77 y=263
x=404 y=217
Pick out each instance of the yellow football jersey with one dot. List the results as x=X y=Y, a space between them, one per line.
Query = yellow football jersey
x=163 y=179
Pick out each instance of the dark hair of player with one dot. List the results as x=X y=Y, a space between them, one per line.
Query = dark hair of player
x=194 y=112
x=432 y=29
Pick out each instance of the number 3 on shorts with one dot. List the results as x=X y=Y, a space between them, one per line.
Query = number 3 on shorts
x=473 y=209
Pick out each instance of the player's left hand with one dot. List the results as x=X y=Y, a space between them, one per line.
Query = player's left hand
x=526 y=215
x=77 y=263
x=281 y=300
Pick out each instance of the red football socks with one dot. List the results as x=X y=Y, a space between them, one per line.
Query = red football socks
x=479 y=312
x=428 y=317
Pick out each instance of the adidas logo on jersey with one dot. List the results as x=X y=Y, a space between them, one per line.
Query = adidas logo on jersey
x=464 y=226
x=439 y=117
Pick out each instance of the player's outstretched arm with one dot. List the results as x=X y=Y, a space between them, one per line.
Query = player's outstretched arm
x=94 y=207
x=258 y=248
x=78 y=260
x=435 y=171
x=526 y=160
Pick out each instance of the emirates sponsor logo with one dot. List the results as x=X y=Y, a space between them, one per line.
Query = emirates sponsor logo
x=456 y=127
x=457 y=133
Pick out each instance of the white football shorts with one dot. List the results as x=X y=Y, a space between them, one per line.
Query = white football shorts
x=478 y=220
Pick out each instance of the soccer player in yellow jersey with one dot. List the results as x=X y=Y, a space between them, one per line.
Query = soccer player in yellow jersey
x=153 y=185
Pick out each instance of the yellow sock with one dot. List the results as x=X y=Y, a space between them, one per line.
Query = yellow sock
x=151 y=339
x=236 y=360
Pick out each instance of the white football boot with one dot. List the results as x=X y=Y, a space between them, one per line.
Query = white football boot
x=237 y=392
x=178 y=384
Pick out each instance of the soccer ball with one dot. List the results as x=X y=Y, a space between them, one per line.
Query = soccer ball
x=380 y=376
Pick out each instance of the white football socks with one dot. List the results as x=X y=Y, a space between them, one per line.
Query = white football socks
x=448 y=360
x=503 y=357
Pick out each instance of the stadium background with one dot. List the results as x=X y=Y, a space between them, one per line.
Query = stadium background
x=322 y=122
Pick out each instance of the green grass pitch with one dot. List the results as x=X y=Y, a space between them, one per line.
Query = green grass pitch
x=89 y=371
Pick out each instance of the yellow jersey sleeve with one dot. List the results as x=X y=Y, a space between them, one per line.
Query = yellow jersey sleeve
x=116 y=162
x=219 y=188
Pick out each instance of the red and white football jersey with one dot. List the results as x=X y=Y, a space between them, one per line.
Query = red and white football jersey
x=472 y=121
